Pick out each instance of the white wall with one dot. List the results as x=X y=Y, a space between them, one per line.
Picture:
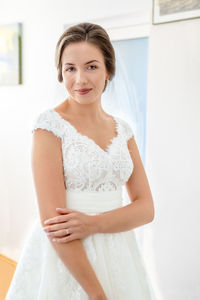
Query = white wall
x=173 y=150
x=172 y=137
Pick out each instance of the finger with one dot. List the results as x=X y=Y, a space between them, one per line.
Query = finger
x=66 y=239
x=55 y=227
x=65 y=225
x=58 y=219
x=59 y=233
x=64 y=210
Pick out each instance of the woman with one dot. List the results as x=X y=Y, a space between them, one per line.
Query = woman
x=81 y=158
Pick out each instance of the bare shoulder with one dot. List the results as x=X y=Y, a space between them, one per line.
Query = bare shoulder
x=59 y=108
x=62 y=108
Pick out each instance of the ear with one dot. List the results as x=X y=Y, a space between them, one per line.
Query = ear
x=107 y=76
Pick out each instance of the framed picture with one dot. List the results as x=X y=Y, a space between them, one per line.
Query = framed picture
x=165 y=11
x=11 y=54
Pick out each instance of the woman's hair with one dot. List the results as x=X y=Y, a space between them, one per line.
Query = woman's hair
x=91 y=33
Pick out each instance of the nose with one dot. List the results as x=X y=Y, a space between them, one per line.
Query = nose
x=81 y=78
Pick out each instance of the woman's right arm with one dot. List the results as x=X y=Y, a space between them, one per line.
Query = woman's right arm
x=48 y=176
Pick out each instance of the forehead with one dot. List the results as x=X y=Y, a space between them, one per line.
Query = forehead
x=81 y=52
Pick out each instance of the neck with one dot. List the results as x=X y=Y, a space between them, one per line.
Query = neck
x=89 y=111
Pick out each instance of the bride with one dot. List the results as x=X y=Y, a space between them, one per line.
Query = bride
x=83 y=245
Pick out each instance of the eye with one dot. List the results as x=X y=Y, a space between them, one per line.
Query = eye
x=69 y=69
x=93 y=67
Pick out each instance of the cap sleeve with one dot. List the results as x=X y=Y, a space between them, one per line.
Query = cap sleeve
x=46 y=120
x=127 y=130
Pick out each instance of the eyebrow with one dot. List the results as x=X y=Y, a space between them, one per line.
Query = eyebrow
x=85 y=63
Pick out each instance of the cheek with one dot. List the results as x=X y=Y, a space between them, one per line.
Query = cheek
x=67 y=80
x=98 y=79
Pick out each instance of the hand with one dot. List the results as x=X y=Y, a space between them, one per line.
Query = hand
x=80 y=225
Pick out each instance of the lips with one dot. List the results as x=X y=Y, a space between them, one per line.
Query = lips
x=83 y=91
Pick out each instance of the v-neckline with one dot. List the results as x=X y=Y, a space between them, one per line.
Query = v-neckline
x=108 y=147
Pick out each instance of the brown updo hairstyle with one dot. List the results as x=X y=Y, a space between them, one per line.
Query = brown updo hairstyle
x=91 y=33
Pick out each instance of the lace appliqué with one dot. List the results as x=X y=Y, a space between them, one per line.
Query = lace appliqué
x=88 y=167
x=45 y=121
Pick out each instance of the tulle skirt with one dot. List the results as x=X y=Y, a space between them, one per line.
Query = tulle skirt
x=115 y=258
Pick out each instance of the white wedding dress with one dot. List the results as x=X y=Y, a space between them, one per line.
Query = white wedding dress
x=93 y=178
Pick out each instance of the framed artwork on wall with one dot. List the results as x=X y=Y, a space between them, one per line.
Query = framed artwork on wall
x=11 y=54
x=165 y=11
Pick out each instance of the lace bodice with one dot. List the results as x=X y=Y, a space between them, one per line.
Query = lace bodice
x=88 y=167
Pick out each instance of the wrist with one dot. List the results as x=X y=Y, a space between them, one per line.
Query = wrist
x=95 y=223
x=98 y=296
x=101 y=297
